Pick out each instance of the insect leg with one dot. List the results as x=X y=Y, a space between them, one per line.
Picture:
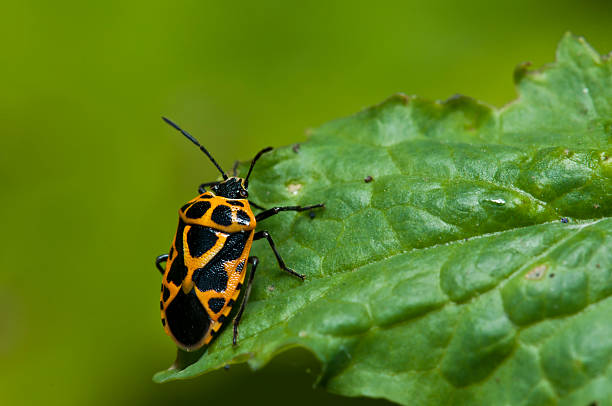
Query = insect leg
x=159 y=260
x=275 y=210
x=256 y=205
x=264 y=234
x=253 y=261
x=203 y=186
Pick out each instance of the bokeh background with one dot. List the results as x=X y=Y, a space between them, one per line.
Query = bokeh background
x=91 y=178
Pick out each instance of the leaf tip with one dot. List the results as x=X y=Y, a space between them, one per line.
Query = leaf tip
x=164 y=376
x=520 y=71
x=400 y=97
x=575 y=48
x=395 y=99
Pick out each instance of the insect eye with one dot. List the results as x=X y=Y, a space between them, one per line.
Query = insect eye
x=243 y=193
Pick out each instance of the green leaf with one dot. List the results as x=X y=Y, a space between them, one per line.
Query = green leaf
x=476 y=267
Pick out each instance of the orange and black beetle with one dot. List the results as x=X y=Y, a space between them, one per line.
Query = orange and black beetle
x=206 y=265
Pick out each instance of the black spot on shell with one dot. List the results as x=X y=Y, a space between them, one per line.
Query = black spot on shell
x=185 y=206
x=197 y=210
x=216 y=304
x=177 y=271
x=230 y=302
x=222 y=319
x=163 y=322
x=200 y=240
x=165 y=293
x=222 y=215
x=240 y=267
x=178 y=238
x=234 y=246
x=235 y=203
x=187 y=319
x=243 y=218
x=211 y=277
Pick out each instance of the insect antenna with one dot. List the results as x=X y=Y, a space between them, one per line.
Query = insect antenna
x=259 y=154
x=192 y=139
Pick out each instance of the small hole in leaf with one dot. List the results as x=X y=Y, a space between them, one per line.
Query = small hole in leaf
x=294 y=188
x=536 y=273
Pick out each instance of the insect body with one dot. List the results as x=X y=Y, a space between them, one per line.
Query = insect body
x=206 y=266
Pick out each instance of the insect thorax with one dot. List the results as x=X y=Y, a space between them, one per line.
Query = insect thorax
x=232 y=188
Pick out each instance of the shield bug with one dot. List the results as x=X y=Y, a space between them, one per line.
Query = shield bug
x=206 y=266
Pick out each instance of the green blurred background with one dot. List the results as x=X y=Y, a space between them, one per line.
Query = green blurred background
x=92 y=178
